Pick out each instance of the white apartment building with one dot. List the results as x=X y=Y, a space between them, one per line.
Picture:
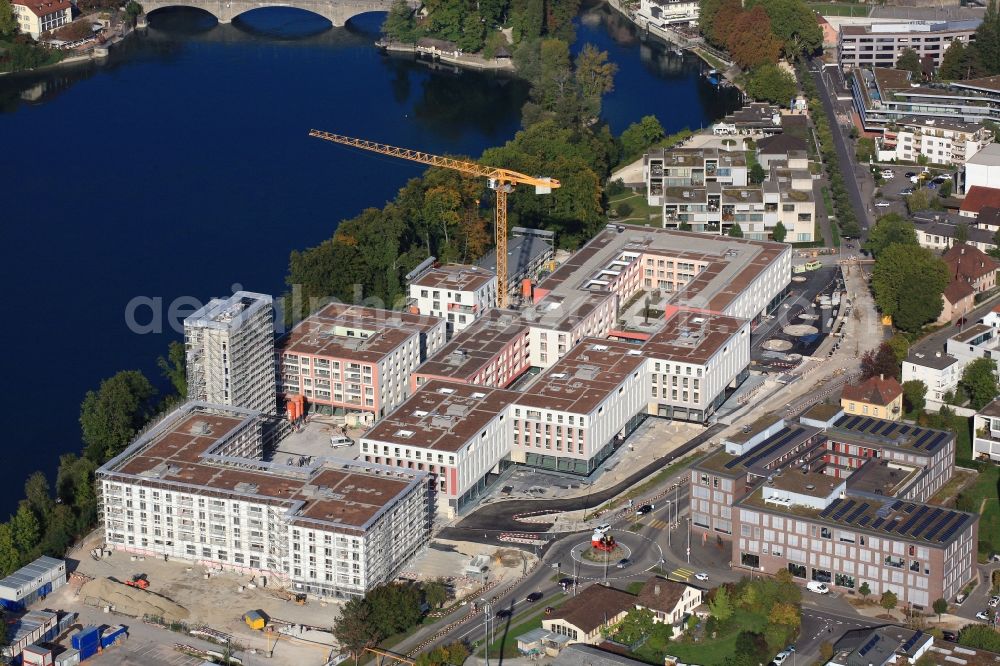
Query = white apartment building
x=576 y=414
x=940 y=141
x=986 y=433
x=691 y=167
x=230 y=352
x=460 y=434
x=693 y=361
x=983 y=168
x=35 y=17
x=666 y=12
x=941 y=371
x=194 y=487
x=559 y=321
x=356 y=359
x=456 y=293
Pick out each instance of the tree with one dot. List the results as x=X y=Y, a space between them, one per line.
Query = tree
x=10 y=557
x=399 y=23
x=865 y=149
x=25 y=530
x=909 y=60
x=768 y=82
x=786 y=614
x=888 y=600
x=721 y=606
x=794 y=24
x=634 y=627
x=979 y=381
x=692 y=622
x=987 y=43
x=940 y=606
x=751 y=643
x=641 y=135
x=757 y=174
x=38 y=495
x=595 y=77
x=472 y=37
x=8 y=22
x=527 y=18
x=750 y=41
x=779 y=232
x=132 y=11
x=111 y=416
x=394 y=608
x=908 y=282
x=914 y=396
x=900 y=346
x=864 y=590
x=944 y=192
x=174 y=366
x=736 y=231
x=981 y=636
x=435 y=593
x=955 y=63
x=891 y=229
x=879 y=361
x=353 y=627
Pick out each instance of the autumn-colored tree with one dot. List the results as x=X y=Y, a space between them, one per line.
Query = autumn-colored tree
x=750 y=40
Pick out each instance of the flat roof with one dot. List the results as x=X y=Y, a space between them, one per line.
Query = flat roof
x=692 y=337
x=898 y=519
x=354 y=332
x=696 y=157
x=228 y=313
x=913 y=438
x=933 y=360
x=882 y=477
x=455 y=277
x=814 y=484
x=758 y=459
x=188 y=449
x=585 y=377
x=972 y=332
x=442 y=416
x=475 y=346
x=939 y=123
x=29 y=573
x=988 y=156
x=748 y=432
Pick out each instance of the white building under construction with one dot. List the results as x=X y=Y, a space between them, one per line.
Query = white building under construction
x=230 y=352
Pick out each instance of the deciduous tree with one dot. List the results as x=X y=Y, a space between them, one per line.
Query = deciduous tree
x=25 y=530
x=908 y=282
x=980 y=636
x=736 y=231
x=909 y=60
x=779 y=232
x=979 y=381
x=174 y=366
x=879 y=361
x=751 y=42
x=940 y=606
x=987 y=42
x=891 y=229
x=770 y=83
x=888 y=600
x=354 y=629
x=10 y=556
x=399 y=24
x=640 y=135
x=914 y=396
x=111 y=416
x=794 y=23
x=721 y=607
x=8 y=22
x=595 y=77
x=865 y=590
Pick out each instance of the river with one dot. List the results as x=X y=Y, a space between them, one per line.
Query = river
x=182 y=167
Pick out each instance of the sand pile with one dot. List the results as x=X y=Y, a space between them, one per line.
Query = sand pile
x=133 y=601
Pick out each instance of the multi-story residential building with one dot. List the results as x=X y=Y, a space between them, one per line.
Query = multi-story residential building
x=784 y=149
x=356 y=358
x=194 y=487
x=460 y=434
x=577 y=414
x=881 y=397
x=706 y=191
x=35 y=17
x=881 y=44
x=230 y=352
x=973 y=266
x=938 y=371
x=883 y=96
x=838 y=498
x=986 y=433
x=529 y=253
x=666 y=12
x=694 y=362
x=938 y=231
x=939 y=141
x=983 y=169
x=493 y=351
x=458 y=294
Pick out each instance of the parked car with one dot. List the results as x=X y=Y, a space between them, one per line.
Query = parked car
x=624 y=562
x=911 y=174
x=992 y=603
x=949 y=636
x=888 y=174
x=938 y=181
x=882 y=204
x=644 y=509
x=702 y=576
x=960 y=598
x=906 y=191
x=945 y=176
x=533 y=597
x=817 y=587
x=780 y=658
x=914 y=179
x=983 y=615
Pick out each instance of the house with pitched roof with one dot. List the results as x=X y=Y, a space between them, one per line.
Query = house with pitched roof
x=880 y=397
x=971 y=265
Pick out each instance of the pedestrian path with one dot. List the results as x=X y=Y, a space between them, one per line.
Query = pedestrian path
x=681 y=574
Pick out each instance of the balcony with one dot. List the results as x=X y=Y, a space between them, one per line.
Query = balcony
x=460 y=307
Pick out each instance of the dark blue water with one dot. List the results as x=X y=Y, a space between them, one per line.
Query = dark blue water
x=183 y=167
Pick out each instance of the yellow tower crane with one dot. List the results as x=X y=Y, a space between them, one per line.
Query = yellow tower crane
x=502 y=181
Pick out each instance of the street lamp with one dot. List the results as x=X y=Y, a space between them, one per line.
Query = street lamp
x=487 y=610
x=669 y=524
x=689 y=541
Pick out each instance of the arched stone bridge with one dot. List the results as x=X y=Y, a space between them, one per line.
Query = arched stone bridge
x=338 y=12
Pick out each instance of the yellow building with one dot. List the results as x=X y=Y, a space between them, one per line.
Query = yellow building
x=35 y=17
x=879 y=397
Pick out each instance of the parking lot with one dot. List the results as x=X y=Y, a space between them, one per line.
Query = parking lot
x=896 y=188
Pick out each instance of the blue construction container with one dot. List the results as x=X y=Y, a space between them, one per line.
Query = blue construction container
x=87 y=637
x=112 y=634
x=88 y=651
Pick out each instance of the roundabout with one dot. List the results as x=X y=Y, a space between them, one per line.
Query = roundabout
x=591 y=562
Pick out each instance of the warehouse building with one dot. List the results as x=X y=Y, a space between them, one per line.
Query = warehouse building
x=195 y=487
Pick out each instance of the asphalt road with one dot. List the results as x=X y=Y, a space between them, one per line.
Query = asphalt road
x=848 y=166
x=936 y=341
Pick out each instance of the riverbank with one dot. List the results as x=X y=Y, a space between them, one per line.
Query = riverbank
x=457 y=58
x=98 y=52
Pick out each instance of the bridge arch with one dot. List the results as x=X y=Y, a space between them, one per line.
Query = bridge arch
x=337 y=12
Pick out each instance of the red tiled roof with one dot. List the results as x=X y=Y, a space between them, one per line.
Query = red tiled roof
x=958 y=290
x=42 y=8
x=979 y=197
x=968 y=262
x=874 y=391
x=593 y=607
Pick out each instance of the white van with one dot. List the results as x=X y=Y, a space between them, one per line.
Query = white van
x=817 y=587
x=340 y=441
x=603 y=528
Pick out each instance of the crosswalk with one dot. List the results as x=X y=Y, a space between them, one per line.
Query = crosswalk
x=681 y=574
x=658 y=524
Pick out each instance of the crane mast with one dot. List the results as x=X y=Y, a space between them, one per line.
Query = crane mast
x=501 y=181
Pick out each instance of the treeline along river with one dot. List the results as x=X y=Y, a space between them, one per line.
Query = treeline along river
x=181 y=167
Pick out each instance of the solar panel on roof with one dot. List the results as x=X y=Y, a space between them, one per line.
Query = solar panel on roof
x=954 y=528
x=909 y=508
x=913 y=519
x=756 y=455
x=853 y=422
x=903 y=429
x=923 y=438
x=891 y=429
x=872 y=642
x=891 y=525
x=864 y=520
x=848 y=505
x=868 y=423
x=878 y=521
x=947 y=518
x=912 y=641
x=927 y=521
x=833 y=505
x=941 y=438
x=857 y=512
x=899 y=503
x=842 y=420
x=878 y=427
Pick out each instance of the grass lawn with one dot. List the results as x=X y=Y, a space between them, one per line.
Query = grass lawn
x=641 y=210
x=506 y=642
x=707 y=652
x=710 y=59
x=634 y=588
